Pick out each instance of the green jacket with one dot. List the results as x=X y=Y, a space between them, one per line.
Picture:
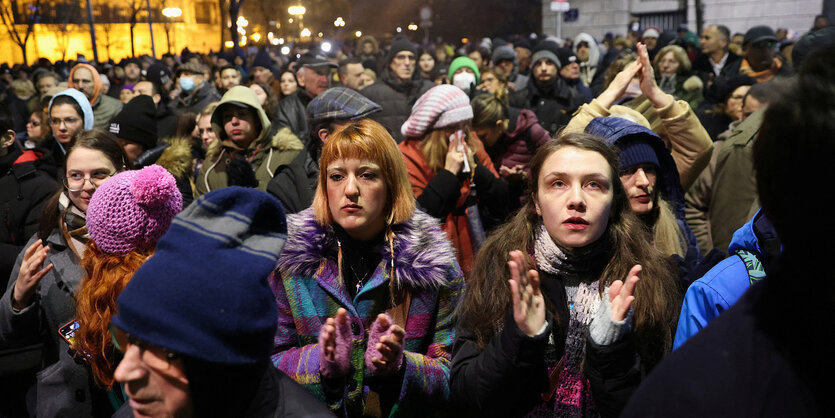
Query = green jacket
x=265 y=153
x=734 y=186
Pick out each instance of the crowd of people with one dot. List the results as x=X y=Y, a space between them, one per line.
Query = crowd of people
x=527 y=226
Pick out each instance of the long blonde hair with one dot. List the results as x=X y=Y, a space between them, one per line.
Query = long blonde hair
x=435 y=145
x=668 y=237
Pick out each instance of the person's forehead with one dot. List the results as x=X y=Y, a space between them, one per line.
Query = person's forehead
x=47 y=79
x=229 y=72
x=188 y=73
x=237 y=110
x=82 y=74
x=405 y=54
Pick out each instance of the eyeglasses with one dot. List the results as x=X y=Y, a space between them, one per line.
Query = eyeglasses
x=67 y=121
x=34 y=123
x=405 y=57
x=75 y=181
x=159 y=358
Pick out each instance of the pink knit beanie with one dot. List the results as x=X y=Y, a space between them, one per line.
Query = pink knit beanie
x=441 y=106
x=133 y=209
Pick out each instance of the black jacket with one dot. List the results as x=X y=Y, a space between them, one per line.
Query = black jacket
x=395 y=99
x=294 y=184
x=763 y=357
x=553 y=106
x=205 y=95
x=292 y=113
x=704 y=69
x=507 y=377
x=25 y=187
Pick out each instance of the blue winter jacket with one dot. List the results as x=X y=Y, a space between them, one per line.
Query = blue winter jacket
x=727 y=281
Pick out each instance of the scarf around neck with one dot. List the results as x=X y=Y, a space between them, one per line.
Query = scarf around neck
x=74 y=225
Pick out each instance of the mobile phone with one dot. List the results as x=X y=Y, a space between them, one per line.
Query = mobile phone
x=68 y=331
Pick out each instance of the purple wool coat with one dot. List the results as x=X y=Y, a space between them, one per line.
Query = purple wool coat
x=308 y=291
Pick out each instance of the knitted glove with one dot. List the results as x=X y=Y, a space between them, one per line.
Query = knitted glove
x=341 y=364
x=379 y=330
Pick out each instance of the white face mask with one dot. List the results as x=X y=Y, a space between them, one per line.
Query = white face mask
x=463 y=80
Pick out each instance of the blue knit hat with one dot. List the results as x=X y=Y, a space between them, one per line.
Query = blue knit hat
x=204 y=292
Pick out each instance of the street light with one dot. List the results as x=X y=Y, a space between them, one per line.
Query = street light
x=326 y=47
x=399 y=29
x=229 y=44
x=358 y=33
x=171 y=13
x=255 y=37
x=305 y=33
x=296 y=10
x=242 y=22
x=413 y=26
x=339 y=22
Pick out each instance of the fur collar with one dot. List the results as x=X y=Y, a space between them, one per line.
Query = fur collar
x=423 y=255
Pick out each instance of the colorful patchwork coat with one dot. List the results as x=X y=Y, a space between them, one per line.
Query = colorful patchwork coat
x=308 y=291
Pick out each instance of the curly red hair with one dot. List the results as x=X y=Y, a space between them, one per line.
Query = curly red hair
x=107 y=275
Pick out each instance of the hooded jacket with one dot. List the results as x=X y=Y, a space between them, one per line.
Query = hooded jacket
x=265 y=153
x=104 y=107
x=589 y=70
x=553 y=105
x=725 y=283
x=518 y=145
x=308 y=291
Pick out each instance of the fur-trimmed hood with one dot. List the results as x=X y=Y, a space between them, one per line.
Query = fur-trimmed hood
x=423 y=256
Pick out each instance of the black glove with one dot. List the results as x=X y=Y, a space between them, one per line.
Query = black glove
x=239 y=172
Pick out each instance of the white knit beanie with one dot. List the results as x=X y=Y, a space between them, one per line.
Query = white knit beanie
x=441 y=106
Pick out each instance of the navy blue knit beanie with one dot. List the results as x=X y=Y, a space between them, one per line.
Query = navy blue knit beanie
x=262 y=59
x=636 y=150
x=400 y=43
x=204 y=292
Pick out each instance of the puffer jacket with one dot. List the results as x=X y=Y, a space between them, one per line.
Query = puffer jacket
x=269 y=150
x=524 y=136
x=308 y=291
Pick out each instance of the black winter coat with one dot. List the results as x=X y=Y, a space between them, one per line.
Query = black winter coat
x=25 y=187
x=292 y=113
x=553 y=107
x=395 y=99
x=294 y=184
x=507 y=377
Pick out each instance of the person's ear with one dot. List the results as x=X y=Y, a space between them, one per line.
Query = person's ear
x=323 y=135
x=536 y=205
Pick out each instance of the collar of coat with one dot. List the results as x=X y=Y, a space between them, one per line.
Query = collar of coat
x=422 y=254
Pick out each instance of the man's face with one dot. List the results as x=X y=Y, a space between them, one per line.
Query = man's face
x=146 y=88
x=583 y=52
x=315 y=80
x=262 y=74
x=82 y=80
x=132 y=72
x=820 y=23
x=229 y=78
x=523 y=55
x=132 y=149
x=544 y=71
x=760 y=55
x=712 y=40
x=156 y=385
x=506 y=66
x=403 y=65
x=751 y=105
x=240 y=125
x=350 y=77
x=477 y=58
x=45 y=84
x=571 y=71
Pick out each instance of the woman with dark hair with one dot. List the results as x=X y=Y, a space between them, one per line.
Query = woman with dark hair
x=289 y=84
x=426 y=63
x=266 y=97
x=39 y=305
x=366 y=286
x=573 y=334
x=69 y=113
x=37 y=130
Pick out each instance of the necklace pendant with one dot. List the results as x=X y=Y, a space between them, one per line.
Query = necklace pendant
x=359 y=286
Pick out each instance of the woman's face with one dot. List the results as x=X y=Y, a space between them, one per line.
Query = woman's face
x=426 y=62
x=574 y=196
x=288 y=84
x=733 y=106
x=357 y=197
x=87 y=164
x=262 y=95
x=125 y=95
x=668 y=64
x=491 y=83
x=34 y=128
x=65 y=122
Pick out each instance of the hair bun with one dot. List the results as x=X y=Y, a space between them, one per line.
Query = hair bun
x=153 y=186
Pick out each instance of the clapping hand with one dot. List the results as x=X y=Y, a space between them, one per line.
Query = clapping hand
x=528 y=301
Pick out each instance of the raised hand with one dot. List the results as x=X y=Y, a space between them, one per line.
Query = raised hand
x=384 y=354
x=30 y=274
x=649 y=87
x=335 y=343
x=454 y=158
x=618 y=86
x=528 y=302
x=621 y=295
